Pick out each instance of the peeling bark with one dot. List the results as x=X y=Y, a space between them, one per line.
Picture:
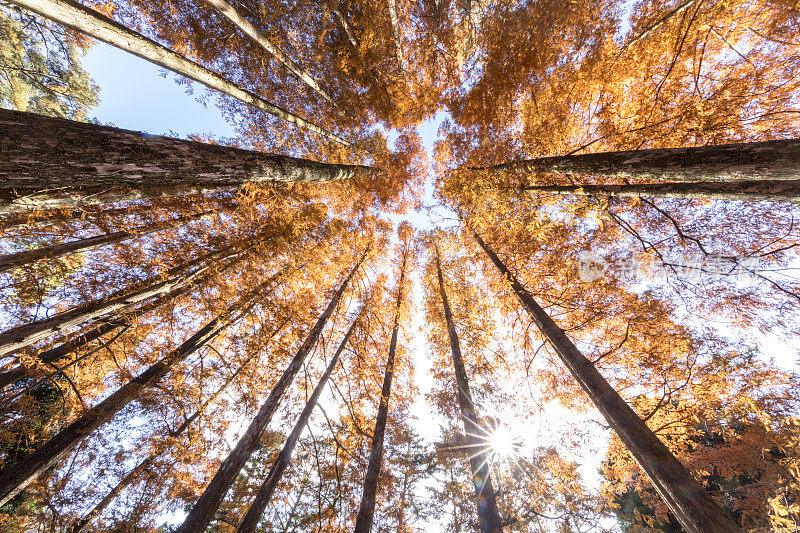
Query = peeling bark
x=50 y=162
x=94 y=24
x=767 y=160
x=695 y=509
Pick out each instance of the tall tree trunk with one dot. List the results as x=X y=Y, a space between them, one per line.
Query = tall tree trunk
x=366 y=510
x=479 y=462
x=146 y=463
x=50 y=162
x=56 y=354
x=264 y=495
x=749 y=190
x=767 y=160
x=17 y=476
x=396 y=31
x=94 y=24
x=118 y=302
x=206 y=506
x=251 y=31
x=55 y=251
x=692 y=505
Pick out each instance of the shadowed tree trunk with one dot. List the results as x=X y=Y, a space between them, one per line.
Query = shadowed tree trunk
x=768 y=160
x=55 y=251
x=476 y=446
x=145 y=465
x=118 y=302
x=750 y=190
x=264 y=495
x=48 y=162
x=206 y=506
x=367 y=508
x=17 y=476
x=686 y=498
x=249 y=29
x=94 y=24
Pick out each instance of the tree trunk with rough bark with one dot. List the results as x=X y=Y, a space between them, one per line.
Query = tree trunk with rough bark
x=144 y=466
x=253 y=515
x=118 y=302
x=94 y=24
x=48 y=162
x=767 y=160
x=17 y=476
x=746 y=190
x=206 y=506
x=476 y=446
x=249 y=29
x=686 y=498
x=366 y=510
x=396 y=31
x=55 y=251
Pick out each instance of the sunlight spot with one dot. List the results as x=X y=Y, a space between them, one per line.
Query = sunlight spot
x=502 y=442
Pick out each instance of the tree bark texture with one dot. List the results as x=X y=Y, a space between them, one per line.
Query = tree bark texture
x=767 y=160
x=17 y=476
x=206 y=506
x=746 y=190
x=264 y=495
x=479 y=462
x=249 y=29
x=94 y=24
x=366 y=510
x=55 y=251
x=49 y=162
x=686 y=498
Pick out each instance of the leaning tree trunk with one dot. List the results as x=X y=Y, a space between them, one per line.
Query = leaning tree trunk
x=206 y=506
x=55 y=251
x=249 y=29
x=50 y=162
x=118 y=302
x=367 y=508
x=396 y=31
x=145 y=465
x=264 y=495
x=94 y=24
x=55 y=355
x=748 y=190
x=686 y=498
x=478 y=460
x=767 y=160
x=17 y=476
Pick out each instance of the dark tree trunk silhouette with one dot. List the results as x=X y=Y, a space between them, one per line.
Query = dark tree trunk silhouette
x=476 y=446
x=118 y=302
x=748 y=190
x=48 y=162
x=206 y=506
x=366 y=510
x=18 y=475
x=264 y=495
x=686 y=498
x=146 y=463
x=767 y=160
x=94 y=24
x=55 y=251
